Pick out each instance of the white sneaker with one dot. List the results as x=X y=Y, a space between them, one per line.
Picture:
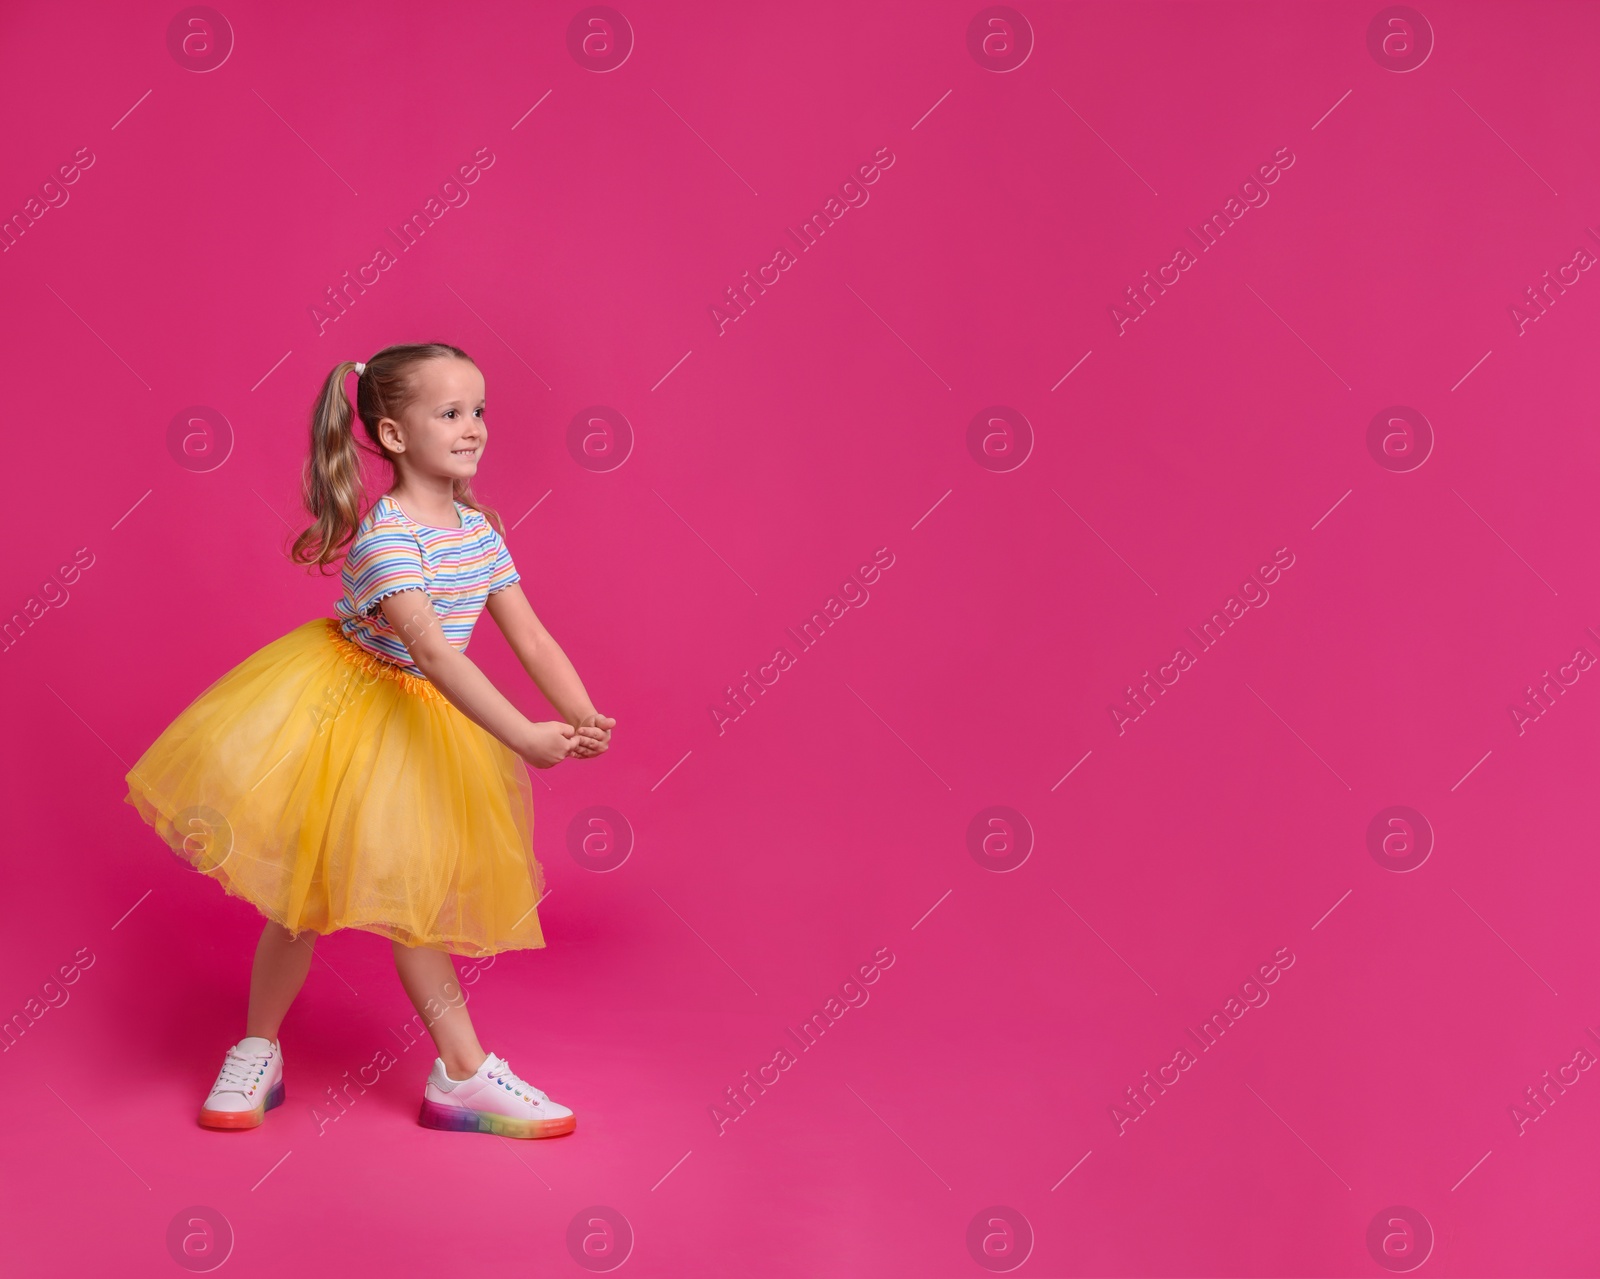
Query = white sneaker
x=493 y=1100
x=249 y=1084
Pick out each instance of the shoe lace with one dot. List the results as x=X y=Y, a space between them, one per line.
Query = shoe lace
x=240 y=1067
x=504 y=1073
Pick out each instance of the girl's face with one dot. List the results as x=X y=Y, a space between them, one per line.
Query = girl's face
x=442 y=432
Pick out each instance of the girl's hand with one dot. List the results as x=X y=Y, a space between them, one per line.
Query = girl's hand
x=549 y=743
x=593 y=734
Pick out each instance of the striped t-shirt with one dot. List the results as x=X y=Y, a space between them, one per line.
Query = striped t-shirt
x=458 y=568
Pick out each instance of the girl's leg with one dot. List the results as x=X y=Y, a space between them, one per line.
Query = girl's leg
x=279 y=971
x=430 y=979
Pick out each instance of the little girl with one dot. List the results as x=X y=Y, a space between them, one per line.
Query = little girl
x=361 y=771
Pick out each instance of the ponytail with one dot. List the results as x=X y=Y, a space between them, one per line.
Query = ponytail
x=330 y=484
x=330 y=480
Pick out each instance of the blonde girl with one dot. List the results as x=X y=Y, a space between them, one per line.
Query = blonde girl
x=361 y=771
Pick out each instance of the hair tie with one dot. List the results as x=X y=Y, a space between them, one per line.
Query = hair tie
x=360 y=369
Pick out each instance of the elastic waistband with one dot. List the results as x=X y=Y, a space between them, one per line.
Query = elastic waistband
x=375 y=665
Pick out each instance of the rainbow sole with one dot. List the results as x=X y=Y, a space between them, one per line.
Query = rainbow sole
x=229 y=1119
x=460 y=1119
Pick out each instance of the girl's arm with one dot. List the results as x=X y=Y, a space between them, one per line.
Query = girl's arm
x=458 y=677
x=540 y=655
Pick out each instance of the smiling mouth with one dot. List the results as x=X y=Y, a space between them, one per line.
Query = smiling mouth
x=464 y=452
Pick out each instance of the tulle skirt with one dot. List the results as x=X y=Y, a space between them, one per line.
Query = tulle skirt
x=332 y=789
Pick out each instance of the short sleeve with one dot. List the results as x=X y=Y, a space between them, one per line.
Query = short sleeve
x=383 y=561
x=502 y=572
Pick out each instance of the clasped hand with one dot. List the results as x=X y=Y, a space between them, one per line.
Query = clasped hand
x=554 y=740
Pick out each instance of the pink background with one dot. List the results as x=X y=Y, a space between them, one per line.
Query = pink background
x=769 y=860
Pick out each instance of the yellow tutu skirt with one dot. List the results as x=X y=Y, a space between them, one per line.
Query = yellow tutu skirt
x=332 y=789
